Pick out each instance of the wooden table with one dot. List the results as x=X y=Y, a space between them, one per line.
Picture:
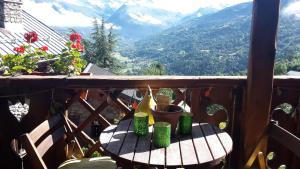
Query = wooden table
x=206 y=145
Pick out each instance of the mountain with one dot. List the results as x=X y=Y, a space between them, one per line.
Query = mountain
x=214 y=44
x=131 y=20
x=136 y=21
x=200 y=12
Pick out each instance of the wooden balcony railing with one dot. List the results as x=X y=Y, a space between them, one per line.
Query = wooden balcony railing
x=219 y=100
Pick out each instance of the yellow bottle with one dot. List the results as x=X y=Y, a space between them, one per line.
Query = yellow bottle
x=147 y=105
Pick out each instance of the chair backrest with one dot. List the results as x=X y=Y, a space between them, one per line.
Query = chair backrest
x=42 y=138
x=285 y=138
x=281 y=136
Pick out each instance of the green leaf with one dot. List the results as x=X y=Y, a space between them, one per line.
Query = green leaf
x=18 y=68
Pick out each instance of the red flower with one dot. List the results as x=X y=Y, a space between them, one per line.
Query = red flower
x=77 y=45
x=20 y=49
x=31 y=37
x=75 y=37
x=44 y=48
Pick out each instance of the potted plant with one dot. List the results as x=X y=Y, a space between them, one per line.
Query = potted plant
x=28 y=60
x=166 y=112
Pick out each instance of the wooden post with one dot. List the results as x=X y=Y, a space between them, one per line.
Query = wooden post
x=260 y=72
x=9 y=129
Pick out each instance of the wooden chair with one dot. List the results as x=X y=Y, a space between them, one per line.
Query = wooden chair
x=47 y=135
x=280 y=135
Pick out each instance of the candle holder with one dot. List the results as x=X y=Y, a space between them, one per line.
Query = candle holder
x=140 y=123
x=162 y=134
x=185 y=123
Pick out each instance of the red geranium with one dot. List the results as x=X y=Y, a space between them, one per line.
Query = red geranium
x=75 y=37
x=31 y=37
x=20 y=49
x=77 y=45
x=44 y=48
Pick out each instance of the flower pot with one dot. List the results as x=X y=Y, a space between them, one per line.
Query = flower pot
x=170 y=114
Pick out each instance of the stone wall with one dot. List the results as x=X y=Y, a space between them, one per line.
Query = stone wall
x=10 y=12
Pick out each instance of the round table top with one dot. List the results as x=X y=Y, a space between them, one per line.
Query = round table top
x=206 y=144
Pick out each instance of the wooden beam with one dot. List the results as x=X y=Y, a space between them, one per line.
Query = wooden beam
x=30 y=83
x=10 y=128
x=260 y=72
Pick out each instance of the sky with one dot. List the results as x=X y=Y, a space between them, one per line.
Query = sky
x=45 y=12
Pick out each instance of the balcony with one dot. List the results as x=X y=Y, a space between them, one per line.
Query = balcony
x=227 y=93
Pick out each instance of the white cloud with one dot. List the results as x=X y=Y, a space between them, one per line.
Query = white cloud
x=187 y=6
x=66 y=18
x=145 y=18
x=97 y=3
x=292 y=9
x=63 y=18
x=113 y=26
x=74 y=2
x=115 y=4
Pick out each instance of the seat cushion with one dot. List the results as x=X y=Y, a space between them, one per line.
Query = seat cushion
x=89 y=163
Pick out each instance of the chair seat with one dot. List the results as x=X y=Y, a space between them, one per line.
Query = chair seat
x=89 y=163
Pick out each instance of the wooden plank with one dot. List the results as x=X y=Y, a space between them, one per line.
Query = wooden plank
x=118 y=137
x=203 y=153
x=261 y=161
x=44 y=146
x=32 y=152
x=143 y=147
x=225 y=139
x=106 y=135
x=157 y=156
x=82 y=135
x=195 y=105
x=118 y=82
x=285 y=138
x=94 y=114
x=213 y=141
x=260 y=72
x=39 y=131
x=34 y=82
x=127 y=150
x=188 y=153
x=173 y=156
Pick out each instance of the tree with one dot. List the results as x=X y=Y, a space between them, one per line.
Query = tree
x=99 y=49
x=155 y=68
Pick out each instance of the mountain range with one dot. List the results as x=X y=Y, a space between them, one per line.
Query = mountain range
x=132 y=20
x=214 y=44
x=210 y=41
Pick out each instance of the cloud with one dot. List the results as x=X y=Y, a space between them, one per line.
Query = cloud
x=145 y=18
x=292 y=9
x=62 y=18
x=97 y=3
x=187 y=6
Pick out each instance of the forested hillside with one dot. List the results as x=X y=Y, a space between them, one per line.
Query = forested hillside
x=214 y=44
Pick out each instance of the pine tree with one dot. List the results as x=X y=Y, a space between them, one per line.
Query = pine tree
x=100 y=48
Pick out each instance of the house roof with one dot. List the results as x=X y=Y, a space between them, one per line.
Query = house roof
x=47 y=36
x=293 y=73
x=94 y=69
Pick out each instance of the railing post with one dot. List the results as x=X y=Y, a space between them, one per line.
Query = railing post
x=260 y=72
